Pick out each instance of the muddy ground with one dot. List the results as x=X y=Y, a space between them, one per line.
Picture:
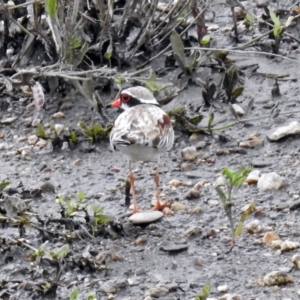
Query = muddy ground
x=131 y=269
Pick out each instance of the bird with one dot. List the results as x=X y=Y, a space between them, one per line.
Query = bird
x=142 y=132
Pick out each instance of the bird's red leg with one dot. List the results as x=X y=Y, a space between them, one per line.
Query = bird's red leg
x=158 y=205
x=131 y=179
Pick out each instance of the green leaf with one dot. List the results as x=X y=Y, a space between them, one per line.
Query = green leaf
x=74 y=294
x=73 y=137
x=51 y=7
x=196 y=119
x=59 y=199
x=81 y=196
x=4 y=184
x=228 y=174
x=75 y=43
x=246 y=212
x=91 y=296
x=181 y=17
x=240 y=175
x=40 y=131
x=109 y=50
x=288 y=22
x=178 y=48
x=204 y=293
x=205 y=40
x=151 y=83
x=277 y=29
x=249 y=18
x=61 y=252
x=119 y=80
x=237 y=92
x=221 y=193
x=210 y=120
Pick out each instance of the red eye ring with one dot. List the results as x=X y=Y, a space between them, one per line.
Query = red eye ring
x=125 y=98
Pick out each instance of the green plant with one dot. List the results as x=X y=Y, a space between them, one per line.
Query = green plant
x=4 y=184
x=204 y=293
x=72 y=206
x=94 y=131
x=74 y=294
x=234 y=180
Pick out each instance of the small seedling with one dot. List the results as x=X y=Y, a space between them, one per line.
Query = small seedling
x=72 y=206
x=91 y=296
x=74 y=294
x=234 y=180
x=204 y=293
x=95 y=131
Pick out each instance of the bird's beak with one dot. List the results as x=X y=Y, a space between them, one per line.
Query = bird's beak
x=116 y=103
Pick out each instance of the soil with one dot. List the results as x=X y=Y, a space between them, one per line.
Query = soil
x=132 y=260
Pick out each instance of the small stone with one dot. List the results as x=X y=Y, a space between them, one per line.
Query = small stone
x=194 y=137
x=22 y=138
x=174 y=247
x=277 y=278
x=4 y=146
x=189 y=153
x=59 y=128
x=8 y=121
x=192 y=231
x=288 y=246
x=185 y=167
x=228 y=297
x=146 y=217
x=77 y=162
x=58 y=115
x=66 y=105
x=291 y=129
x=276 y=244
x=32 y=139
x=158 y=291
x=253 y=177
x=200 y=184
x=1 y=136
x=254 y=226
x=41 y=143
x=175 y=182
x=65 y=146
x=47 y=187
x=238 y=110
x=270 y=181
x=192 y=194
x=296 y=261
x=177 y=206
x=197 y=210
x=269 y=237
x=252 y=143
x=223 y=288
x=25 y=154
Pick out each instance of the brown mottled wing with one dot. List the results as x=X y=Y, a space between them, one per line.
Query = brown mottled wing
x=145 y=125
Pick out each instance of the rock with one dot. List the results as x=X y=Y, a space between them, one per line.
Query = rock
x=158 y=291
x=254 y=226
x=270 y=181
x=58 y=115
x=41 y=143
x=194 y=174
x=4 y=146
x=32 y=139
x=296 y=261
x=8 y=121
x=238 y=110
x=65 y=146
x=269 y=237
x=201 y=145
x=189 y=153
x=47 y=187
x=277 y=278
x=185 y=167
x=146 y=217
x=26 y=154
x=113 y=286
x=253 y=177
x=192 y=231
x=66 y=105
x=77 y=162
x=174 y=247
x=288 y=246
x=192 y=194
x=175 y=182
x=252 y=142
x=200 y=184
x=177 y=206
x=197 y=210
x=228 y=297
x=59 y=128
x=223 y=288
x=279 y=133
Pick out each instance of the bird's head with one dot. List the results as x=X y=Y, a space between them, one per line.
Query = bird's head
x=134 y=96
